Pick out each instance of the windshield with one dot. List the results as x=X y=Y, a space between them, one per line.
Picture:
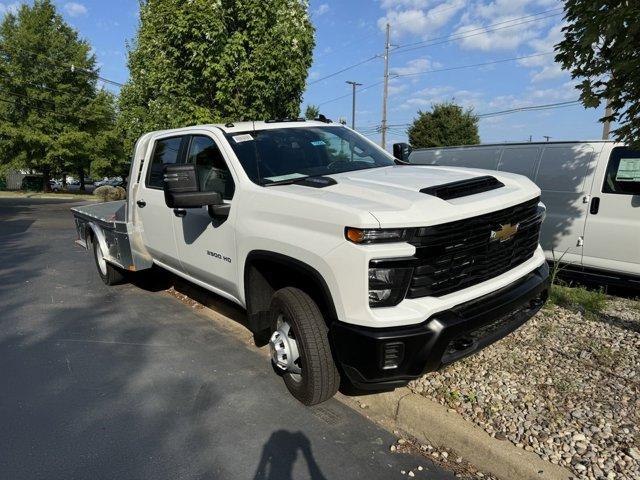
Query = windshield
x=285 y=155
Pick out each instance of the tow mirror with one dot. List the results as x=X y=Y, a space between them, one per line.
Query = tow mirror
x=402 y=151
x=182 y=188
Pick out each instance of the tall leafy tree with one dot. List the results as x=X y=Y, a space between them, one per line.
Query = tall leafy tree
x=600 y=47
x=50 y=109
x=312 y=112
x=446 y=124
x=209 y=61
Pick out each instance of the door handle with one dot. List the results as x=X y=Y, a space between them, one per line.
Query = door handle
x=595 y=206
x=141 y=203
x=179 y=212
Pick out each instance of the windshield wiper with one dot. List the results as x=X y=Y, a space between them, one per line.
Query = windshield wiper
x=289 y=181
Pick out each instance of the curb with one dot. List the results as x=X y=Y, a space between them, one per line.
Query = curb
x=430 y=422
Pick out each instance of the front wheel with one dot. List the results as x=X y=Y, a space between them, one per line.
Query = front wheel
x=109 y=274
x=300 y=347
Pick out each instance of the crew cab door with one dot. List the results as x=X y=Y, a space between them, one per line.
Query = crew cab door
x=206 y=245
x=611 y=239
x=157 y=218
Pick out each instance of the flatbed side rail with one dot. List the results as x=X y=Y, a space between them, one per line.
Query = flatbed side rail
x=112 y=236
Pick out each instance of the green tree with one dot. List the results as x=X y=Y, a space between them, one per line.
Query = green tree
x=312 y=112
x=51 y=112
x=445 y=125
x=211 y=61
x=600 y=47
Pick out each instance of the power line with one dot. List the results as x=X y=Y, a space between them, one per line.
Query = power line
x=531 y=108
x=460 y=67
x=72 y=67
x=546 y=106
x=447 y=39
x=345 y=69
x=485 y=27
x=463 y=35
x=394 y=25
x=446 y=69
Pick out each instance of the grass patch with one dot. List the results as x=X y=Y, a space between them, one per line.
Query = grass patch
x=578 y=299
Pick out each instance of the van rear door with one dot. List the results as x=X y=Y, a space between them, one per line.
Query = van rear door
x=612 y=235
x=563 y=176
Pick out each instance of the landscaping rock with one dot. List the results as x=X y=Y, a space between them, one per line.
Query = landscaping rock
x=565 y=386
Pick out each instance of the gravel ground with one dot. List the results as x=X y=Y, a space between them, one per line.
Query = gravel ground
x=566 y=386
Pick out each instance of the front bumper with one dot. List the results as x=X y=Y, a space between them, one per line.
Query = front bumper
x=378 y=358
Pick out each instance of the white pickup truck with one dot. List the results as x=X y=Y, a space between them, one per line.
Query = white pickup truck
x=353 y=265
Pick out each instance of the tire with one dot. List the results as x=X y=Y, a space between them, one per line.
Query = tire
x=319 y=379
x=109 y=274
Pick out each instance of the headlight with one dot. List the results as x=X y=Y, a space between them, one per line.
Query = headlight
x=375 y=235
x=542 y=211
x=388 y=286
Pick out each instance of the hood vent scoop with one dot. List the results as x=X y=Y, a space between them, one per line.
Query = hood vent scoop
x=464 y=188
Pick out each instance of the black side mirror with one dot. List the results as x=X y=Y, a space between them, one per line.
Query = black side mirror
x=182 y=188
x=402 y=151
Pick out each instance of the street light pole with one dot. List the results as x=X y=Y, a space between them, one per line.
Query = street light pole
x=353 y=103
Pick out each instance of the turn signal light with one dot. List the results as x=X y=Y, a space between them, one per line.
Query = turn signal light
x=374 y=235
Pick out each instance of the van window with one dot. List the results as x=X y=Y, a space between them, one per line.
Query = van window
x=213 y=172
x=165 y=152
x=623 y=172
x=564 y=169
x=522 y=161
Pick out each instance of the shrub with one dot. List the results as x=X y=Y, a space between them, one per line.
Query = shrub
x=107 y=193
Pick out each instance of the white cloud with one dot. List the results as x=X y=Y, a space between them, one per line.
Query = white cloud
x=321 y=10
x=75 y=9
x=9 y=8
x=545 y=65
x=419 y=21
x=444 y=93
x=508 y=23
x=394 y=4
x=415 y=66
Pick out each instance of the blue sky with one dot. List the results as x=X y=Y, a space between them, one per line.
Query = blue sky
x=352 y=31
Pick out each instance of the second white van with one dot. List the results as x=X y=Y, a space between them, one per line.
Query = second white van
x=591 y=190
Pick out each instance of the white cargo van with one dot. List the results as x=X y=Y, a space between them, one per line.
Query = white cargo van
x=591 y=190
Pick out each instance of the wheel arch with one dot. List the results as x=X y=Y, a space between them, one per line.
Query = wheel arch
x=94 y=232
x=266 y=272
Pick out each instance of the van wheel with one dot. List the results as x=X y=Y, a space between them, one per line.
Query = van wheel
x=109 y=274
x=300 y=347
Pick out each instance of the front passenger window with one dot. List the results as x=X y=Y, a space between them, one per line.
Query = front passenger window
x=213 y=172
x=623 y=172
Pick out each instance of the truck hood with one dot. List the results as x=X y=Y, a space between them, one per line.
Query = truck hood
x=392 y=194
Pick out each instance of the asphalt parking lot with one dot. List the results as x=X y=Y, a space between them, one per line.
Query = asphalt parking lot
x=121 y=382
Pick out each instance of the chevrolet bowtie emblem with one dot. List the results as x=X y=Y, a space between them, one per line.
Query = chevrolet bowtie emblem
x=504 y=233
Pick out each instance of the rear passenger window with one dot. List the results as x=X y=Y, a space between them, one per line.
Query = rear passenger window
x=564 y=169
x=623 y=172
x=165 y=152
x=213 y=172
x=522 y=161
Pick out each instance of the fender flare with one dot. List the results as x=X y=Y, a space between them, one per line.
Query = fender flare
x=295 y=264
x=99 y=235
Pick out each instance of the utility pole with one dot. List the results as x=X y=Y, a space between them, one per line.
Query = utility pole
x=546 y=137
x=606 y=128
x=386 y=88
x=353 y=103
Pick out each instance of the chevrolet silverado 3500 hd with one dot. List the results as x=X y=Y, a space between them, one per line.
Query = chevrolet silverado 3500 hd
x=354 y=266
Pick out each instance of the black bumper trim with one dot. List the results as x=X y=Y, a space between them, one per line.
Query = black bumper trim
x=443 y=338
